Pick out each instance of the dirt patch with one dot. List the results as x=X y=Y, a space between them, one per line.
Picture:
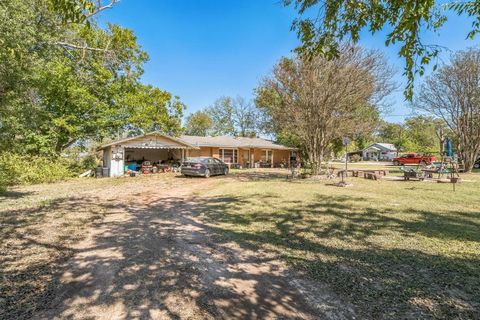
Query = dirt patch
x=152 y=256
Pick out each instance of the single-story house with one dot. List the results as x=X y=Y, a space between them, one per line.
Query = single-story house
x=163 y=149
x=379 y=152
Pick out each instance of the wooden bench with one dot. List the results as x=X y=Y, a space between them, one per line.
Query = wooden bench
x=372 y=176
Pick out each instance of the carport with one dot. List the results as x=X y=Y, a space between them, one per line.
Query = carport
x=154 y=147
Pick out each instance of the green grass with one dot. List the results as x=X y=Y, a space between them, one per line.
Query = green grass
x=395 y=249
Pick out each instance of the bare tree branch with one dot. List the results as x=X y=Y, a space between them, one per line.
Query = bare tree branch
x=102 y=8
x=79 y=47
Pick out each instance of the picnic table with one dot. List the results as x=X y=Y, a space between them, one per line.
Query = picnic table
x=368 y=173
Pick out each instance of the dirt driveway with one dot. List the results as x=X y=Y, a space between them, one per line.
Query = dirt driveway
x=152 y=257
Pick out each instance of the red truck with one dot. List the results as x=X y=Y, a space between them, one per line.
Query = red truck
x=414 y=158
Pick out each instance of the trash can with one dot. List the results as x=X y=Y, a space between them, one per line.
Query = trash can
x=99 y=172
x=106 y=172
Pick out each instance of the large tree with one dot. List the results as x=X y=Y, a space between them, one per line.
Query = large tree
x=245 y=117
x=63 y=83
x=233 y=116
x=198 y=124
x=323 y=24
x=221 y=113
x=452 y=93
x=319 y=100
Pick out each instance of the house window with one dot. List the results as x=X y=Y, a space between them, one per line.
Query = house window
x=229 y=155
x=267 y=156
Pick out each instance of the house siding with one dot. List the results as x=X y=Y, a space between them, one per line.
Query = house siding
x=244 y=155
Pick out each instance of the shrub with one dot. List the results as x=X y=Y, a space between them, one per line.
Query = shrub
x=355 y=158
x=20 y=169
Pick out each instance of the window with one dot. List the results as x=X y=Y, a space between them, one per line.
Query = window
x=229 y=155
x=267 y=156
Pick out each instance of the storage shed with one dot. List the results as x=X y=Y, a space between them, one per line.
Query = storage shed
x=153 y=147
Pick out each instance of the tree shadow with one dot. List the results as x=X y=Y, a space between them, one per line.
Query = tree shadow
x=10 y=194
x=163 y=262
x=181 y=257
x=260 y=175
x=35 y=243
x=379 y=277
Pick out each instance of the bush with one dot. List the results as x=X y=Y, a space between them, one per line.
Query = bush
x=355 y=158
x=18 y=169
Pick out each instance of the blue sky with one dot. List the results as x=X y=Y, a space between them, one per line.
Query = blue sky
x=203 y=49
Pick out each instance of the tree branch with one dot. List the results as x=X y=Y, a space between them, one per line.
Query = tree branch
x=78 y=47
x=100 y=9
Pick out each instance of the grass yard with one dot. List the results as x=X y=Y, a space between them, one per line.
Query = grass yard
x=395 y=249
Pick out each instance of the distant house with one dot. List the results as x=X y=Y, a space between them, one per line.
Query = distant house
x=379 y=152
x=163 y=149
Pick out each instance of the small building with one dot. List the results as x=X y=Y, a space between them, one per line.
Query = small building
x=379 y=152
x=162 y=149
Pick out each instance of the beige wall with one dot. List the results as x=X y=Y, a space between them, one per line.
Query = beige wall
x=279 y=156
x=203 y=152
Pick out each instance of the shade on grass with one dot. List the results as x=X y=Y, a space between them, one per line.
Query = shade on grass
x=395 y=249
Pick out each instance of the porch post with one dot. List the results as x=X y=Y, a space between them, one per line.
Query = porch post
x=252 y=158
x=271 y=164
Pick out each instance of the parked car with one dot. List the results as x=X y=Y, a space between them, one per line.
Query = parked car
x=414 y=158
x=204 y=166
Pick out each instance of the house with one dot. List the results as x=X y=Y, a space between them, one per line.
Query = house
x=163 y=149
x=379 y=152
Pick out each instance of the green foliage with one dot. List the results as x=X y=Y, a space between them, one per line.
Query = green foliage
x=221 y=113
x=18 y=169
x=147 y=109
x=335 y=21
x=356 y=158
x=64 y=84
x=198 y=124
x=234 y=117
x=417 y=134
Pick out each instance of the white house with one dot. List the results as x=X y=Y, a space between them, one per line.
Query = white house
x=379 y=152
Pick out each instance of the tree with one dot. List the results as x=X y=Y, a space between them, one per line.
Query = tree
x=221 y=113
x=338 y=20
x=422 y=131
x=395 y=134
x=321 y=100
x=67 y=83
x=245 y=118
x=148 y=109
x=198 y=124
x=233 y=116
x=452 y=93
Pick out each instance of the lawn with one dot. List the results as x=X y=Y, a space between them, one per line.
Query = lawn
x=394 y=249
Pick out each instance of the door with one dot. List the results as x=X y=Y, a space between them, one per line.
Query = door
x=212 y=165
x=220 y=166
